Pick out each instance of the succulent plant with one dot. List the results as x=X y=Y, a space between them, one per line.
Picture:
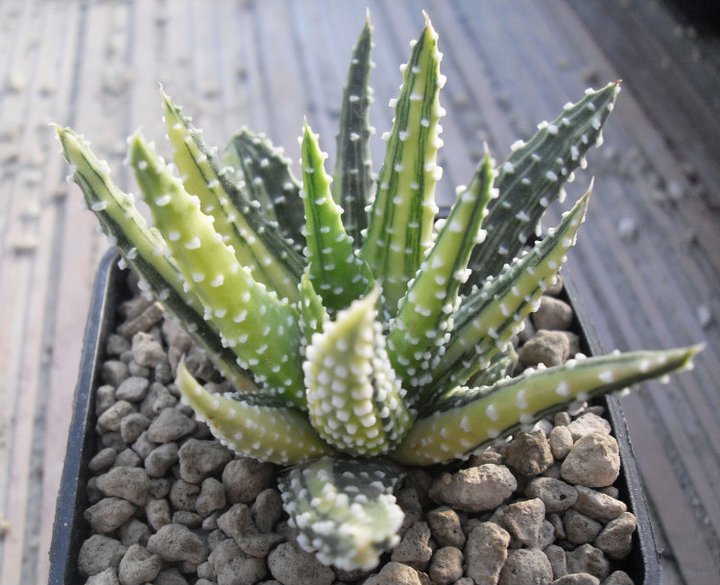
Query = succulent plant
x=375 y=337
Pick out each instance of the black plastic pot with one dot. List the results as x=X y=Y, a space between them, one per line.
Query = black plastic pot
x=71 y=529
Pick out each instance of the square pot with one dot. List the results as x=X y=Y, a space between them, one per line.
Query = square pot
x=71 y=529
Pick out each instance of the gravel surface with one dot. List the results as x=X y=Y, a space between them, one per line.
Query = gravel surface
x=171 y=506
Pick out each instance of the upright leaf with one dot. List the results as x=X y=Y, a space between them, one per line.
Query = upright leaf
x=400 y=224
x=337 y=274
x=533 y=177
x=353 y=183
x=271 y=260
x=260 y=328
x=145 y=250
x=488 y=317
x=266 y=178
x=424 y=319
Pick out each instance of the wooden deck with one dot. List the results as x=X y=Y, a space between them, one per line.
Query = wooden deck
x=648 y=263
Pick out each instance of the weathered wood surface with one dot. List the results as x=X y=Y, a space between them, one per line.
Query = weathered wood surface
x=647 y=264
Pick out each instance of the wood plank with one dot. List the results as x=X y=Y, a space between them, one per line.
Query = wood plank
x=266 y=64
x=691 y=125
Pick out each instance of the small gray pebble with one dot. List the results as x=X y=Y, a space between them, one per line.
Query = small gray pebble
x=550 y=348
x=132 y=426
x=108 y=514
x=160 y=459
x=611 y=491
x=134 y=532
x=562 y=419
x=187 y=518
x=158 y=399
x=446 y=565
x=205 y=571
x=107 y=577
x=556 y=556
x=142 y=317
x=211 y=497
x=475 y=489
x=288 y=563
x=92 y=492
x=553 y=314
x=138 y=371
x=588 y=423
x=147 y=352
x=99 y=552
x=486 y=456
x=201 y=459
x=110 y=419
x=233 y=567
x=104 y=459
x=184 y=495
x=486 y=551
x=170 y=426
x=409 y=501
x=127 y=458
x=547 y=534
x=143 y=446
x=524 y=521
x=560 y=441
x=266 y=510
x=414 y=548
x=396 y=574
x=594 y=461
x=577 y=579
x=597 y=505
x=104 y=398
x=176 y=336
x=210 y=523
x=163 y=372
x=615 y=540
x=580 y=529
x=445 y=526
x=133 y=389
x=618 y=578
x=163 y=398
x=215 y=538
x=159 y=488
x=129 y=483
x=527 y=566
x=138 y=566
x=114 y=372
x=245 y=478
x=588 y=559
x=170 y=577
x=574 y=341
x=199 y=365
x=528 y=453
x=113 y=440
x=557 y=495
x=157 y=512
x=175 y=542
x=558 y=526
x=116 y=345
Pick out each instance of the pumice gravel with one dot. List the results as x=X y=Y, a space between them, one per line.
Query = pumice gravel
x=171 y=506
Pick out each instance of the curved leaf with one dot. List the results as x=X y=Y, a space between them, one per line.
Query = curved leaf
x=344 y=510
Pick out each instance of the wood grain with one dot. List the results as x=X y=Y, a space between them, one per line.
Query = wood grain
x=647 y=262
